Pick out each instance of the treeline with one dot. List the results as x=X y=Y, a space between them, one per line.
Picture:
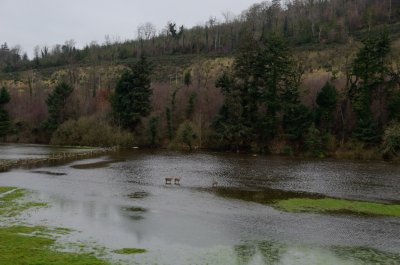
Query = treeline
x=299 y=21
x=263 y=106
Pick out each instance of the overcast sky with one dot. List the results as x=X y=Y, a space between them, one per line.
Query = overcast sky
x=48 y=22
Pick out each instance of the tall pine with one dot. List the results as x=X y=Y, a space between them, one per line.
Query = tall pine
x=131 y=100
x=57 y=106
x=369 y=72
x=4 y=117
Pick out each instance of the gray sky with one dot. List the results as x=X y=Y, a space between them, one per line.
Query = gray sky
x=48 y=22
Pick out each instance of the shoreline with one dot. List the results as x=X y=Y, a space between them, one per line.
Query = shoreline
x=8 y=164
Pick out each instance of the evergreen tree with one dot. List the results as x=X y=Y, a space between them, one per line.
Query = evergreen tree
x=4 y=96
x=326 y=100
x=56 y=106
x=131 y=100
x=273 y=69
x=4 y=117
x=229 y=125
x=369 y=70
x=153 y=130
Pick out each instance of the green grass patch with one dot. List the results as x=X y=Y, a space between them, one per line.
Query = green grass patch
x=10 y=207
x=5 y=189
x=21 y=245
x=33 y=245
x=338 y=206
x=128 y=251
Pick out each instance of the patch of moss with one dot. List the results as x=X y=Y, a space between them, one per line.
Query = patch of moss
x=338 y=206
x=128 y=251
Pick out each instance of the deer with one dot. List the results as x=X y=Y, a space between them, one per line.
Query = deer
x=168 y=181
x=177 y=181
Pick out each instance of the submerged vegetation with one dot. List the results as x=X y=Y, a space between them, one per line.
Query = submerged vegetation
x=292 y=201
x=129 y=251
x=32 y=244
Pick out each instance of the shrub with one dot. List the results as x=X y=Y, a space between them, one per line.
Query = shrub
x=90 y=131
x=314 y=143
x=186 y=136
x=391 y=141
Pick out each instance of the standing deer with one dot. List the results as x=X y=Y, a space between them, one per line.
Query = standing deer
x=177 y=181
x=168 y=181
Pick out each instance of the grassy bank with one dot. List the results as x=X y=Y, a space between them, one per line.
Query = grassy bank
x=329 y=205
x=292 y=201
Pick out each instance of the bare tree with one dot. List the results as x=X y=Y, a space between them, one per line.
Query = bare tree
x=146 y=31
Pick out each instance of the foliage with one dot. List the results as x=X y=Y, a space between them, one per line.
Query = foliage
x=187 y=135
x=369 y=69
x=153 y=130
x=187 y=78
x=262 y=88
x=191 y=105
x=90 y=131
x=314 y=142
x=4 y=116
x=327 y=100
x=229 y=125
x=4 y=96
x=296 y=120
x=391 y=141
x=287 y=151
x=4 y=123
x=131 y=100
x=56 y=105
x=170 y=132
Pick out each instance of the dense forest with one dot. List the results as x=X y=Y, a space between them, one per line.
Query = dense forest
x=315 y=77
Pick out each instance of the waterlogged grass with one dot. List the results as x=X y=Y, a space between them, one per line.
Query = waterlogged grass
x=129 y=251
x=338 y=206
x=32 y=245
x=22 y=245
x=9 y=207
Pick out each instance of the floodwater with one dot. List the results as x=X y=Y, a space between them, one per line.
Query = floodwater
x=121 y=201
x=29 y=151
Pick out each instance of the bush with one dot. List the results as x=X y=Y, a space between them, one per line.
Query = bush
x=314 y=143
x=391 y=141
x=90 y=131
x=287 y=151
x=186 y=136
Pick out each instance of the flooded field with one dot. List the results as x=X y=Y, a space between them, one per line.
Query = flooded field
x=121 y=201
x=30 y=151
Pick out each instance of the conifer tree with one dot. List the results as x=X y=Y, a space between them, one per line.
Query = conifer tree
x=326 y=100
x=369 y=70
x=4 y=116
x=56 y=105
x=131 y=100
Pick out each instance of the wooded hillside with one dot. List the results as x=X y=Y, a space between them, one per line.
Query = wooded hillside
x=314 y=76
